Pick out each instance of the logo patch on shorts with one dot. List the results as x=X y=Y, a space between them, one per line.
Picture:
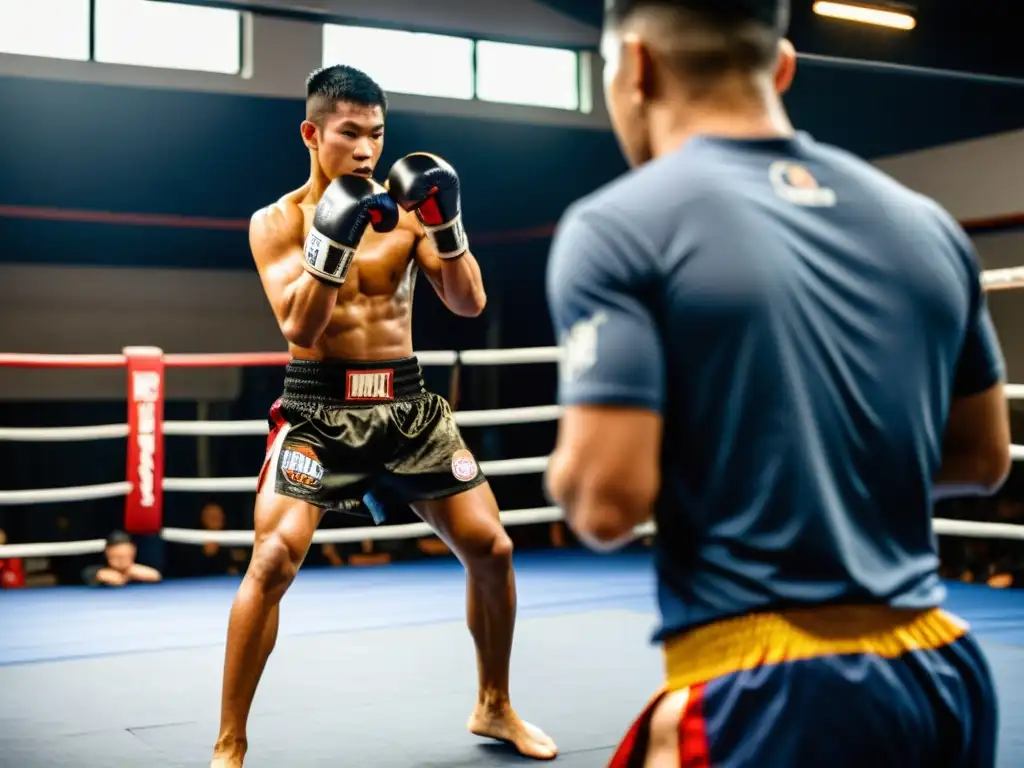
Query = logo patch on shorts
x=464 y=465
x=300 y=466
x=370 y=385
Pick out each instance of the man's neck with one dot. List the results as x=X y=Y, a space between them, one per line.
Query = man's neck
x=318 y=181
x=736 y=118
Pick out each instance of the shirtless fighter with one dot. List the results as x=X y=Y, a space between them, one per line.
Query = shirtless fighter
x=338 y=259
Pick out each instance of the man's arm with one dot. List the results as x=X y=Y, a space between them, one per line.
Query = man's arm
x=301 y=277
x=457 y=282
x=110 y=578
x=428 y=185
x=605 y=470
x=976 y=445
x=144 y=573
x=301 y=303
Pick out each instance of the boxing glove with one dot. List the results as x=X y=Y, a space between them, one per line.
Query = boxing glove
x=428 y=185
x=349 y=205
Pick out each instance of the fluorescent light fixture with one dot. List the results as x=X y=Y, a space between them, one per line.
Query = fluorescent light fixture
x=865 y=15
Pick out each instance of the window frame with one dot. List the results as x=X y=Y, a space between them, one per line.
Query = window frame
x=240 y=63
x=577 y=78
x=88 y=6
x=383 y=30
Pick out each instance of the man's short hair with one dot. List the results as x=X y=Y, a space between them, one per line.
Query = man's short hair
x=328 y=86
x=118 y=537
x=706 y=39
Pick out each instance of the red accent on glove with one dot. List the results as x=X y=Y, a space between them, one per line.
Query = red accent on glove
x=430 y=214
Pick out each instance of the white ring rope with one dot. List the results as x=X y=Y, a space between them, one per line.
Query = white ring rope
x=498 y=468
x=348 y=535
x=1003 y=279
x=525 y=466
x=53 y=548
x=977 y=530
x=71 y=493
x=487 y=418
x=512 y=517
x=63 y=434
x=534 y=464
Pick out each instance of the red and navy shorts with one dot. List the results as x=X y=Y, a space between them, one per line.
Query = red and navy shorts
x=840 y=687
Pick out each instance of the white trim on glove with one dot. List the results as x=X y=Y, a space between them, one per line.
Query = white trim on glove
x=449 y=239
x=326 y=259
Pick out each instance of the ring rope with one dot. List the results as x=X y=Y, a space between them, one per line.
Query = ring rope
x=501 y=467
x=67 y=493
x=965 y=528
x=63 y=434
x=497 y=468
x=251 y=359
x=1003 y=279
x=994 y=279
x=510 y=517
x=485 y=418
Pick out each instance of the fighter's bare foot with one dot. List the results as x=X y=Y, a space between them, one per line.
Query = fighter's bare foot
x=228 y=755
x=503 y=724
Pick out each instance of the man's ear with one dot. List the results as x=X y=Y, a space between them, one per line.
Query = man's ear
x=785 y=66
x=309 y=134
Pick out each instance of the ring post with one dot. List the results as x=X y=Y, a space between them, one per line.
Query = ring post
x=143 y=511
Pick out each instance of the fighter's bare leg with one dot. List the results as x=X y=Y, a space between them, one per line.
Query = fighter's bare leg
x=663 y=742
x=468 y=523
x=284 y=531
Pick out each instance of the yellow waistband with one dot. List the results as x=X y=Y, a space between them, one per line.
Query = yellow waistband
x=758 y=640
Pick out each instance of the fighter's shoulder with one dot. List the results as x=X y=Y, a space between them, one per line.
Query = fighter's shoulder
x=408 y=221
x=282 y=220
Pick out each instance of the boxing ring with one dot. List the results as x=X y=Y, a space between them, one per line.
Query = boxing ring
x=373 y=667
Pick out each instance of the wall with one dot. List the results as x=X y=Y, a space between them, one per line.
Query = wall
x=978 y=179
x=524 y=20
x=999 y=250
x=979 y=182
x=279 y=54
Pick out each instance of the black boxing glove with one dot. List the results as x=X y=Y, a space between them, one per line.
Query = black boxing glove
x=428 y=185
x=349 y=204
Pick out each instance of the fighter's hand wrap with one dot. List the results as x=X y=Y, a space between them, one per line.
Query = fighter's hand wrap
x=430 y=186
x=349 y=204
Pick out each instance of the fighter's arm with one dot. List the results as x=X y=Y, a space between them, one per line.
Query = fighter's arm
x=301 y=303
x=605 y=470
x=428 y=185
x=976 y=446
x=457 y=281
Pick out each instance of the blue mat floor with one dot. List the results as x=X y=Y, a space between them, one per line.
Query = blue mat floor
x=373 y=667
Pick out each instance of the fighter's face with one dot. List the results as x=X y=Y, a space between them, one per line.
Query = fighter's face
x=349 y=141
x=624 y=95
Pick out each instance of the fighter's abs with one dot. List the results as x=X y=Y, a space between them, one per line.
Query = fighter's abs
x=372 y=317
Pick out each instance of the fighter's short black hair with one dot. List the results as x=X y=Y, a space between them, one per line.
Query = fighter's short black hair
x=706 y=38
x=327 y=86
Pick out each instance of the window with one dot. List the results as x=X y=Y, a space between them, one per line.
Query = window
x=526 y=74
x=168 y=35
x=404 y=62
x=57 y=29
